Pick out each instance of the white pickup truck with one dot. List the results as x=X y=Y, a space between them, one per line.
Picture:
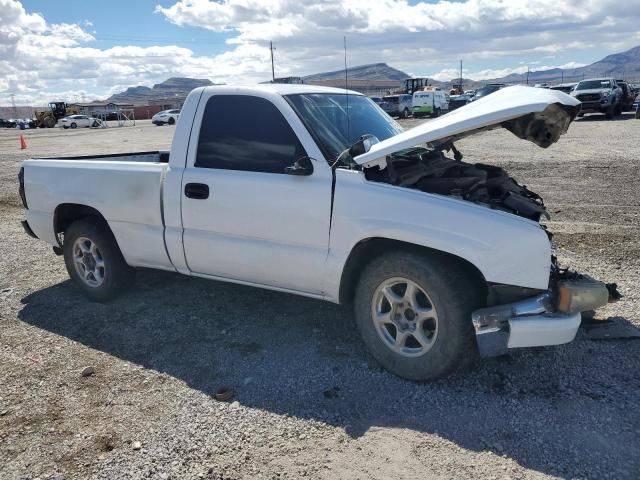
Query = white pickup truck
x=317 y=192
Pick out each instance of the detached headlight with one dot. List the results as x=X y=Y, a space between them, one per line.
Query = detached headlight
x=581 y=294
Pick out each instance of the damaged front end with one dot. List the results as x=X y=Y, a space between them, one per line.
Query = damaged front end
x=550 y=317
x=431 y=171
x=425 y=158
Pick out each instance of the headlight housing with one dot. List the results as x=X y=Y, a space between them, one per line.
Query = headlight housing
x=581 y=294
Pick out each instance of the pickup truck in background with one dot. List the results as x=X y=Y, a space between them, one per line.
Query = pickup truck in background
x=599 y=95
x=319 y=193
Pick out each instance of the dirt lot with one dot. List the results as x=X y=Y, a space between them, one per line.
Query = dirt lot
x=309 y=400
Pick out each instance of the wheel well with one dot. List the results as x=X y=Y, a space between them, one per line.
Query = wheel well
x=67 y=213
x=366 y=250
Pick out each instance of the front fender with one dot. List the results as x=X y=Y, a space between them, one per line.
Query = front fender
x=503 y=247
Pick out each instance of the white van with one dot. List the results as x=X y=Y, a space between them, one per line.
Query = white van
x=431 y=102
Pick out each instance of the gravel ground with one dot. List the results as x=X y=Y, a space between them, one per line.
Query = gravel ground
x=309 y=401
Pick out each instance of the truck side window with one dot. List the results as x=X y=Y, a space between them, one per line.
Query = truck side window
x=241 y=132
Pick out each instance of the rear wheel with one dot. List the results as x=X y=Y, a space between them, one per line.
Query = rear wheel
x=405 y=113
x=94 y=261
x=74 y=125
x=414 y=314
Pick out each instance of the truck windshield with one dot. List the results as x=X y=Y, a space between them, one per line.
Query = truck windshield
x=325 y=116
x=590 y=84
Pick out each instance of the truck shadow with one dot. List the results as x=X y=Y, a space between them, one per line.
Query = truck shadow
x=304 y=358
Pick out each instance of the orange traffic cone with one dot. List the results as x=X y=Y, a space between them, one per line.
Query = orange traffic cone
x=23 y=143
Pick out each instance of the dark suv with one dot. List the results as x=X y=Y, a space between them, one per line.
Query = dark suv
x=627 y=97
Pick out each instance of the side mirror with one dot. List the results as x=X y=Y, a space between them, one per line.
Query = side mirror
x=363 y=145
x=302 y=166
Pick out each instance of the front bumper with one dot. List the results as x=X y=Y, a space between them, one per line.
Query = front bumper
x=551 y=318
x=596 y=105
x=158 y=122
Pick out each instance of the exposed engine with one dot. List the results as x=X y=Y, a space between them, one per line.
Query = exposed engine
x=432 y=171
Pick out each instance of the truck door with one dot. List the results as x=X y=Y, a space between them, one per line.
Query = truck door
x=244 y=218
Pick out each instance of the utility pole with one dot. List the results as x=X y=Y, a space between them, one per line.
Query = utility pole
x=273 y=71
x=527 y=74
x=562 y=76
x=461 y=89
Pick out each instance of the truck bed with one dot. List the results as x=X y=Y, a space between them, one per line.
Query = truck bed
x=126 y=189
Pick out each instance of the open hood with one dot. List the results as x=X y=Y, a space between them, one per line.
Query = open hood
x=535 y=114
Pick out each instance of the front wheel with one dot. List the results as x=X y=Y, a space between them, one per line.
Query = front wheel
x=405 y=113
x=74 y=125
x=414 y=314
x=94 y=261
x=172 y=121
x=609 y=112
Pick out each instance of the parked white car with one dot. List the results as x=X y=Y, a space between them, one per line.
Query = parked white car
x=169 y=117
x=430 y=102
x=319 y=193
x=75 y=121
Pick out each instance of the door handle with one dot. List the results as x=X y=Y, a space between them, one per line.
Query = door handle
x=197 y=191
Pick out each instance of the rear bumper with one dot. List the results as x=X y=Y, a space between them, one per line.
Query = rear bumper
x=551 y=318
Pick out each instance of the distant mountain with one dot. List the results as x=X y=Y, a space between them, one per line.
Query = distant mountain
x=372 y=71
x=171 y=88
x=618 y=65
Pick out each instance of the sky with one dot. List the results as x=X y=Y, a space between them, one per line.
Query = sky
x=77 y=49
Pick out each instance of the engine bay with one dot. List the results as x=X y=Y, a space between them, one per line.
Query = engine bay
x=431 y=171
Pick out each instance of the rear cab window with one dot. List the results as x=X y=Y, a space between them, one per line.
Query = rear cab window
x=241 y=132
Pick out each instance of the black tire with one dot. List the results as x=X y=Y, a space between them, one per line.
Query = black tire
x=73 y=125
x=172 y=120
x=618 y=109
x=405 y=113
x=609 y=112
x=65 y=127
x=452 y=293
x=117 y=275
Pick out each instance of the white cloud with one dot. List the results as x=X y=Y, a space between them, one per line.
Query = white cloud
x=36 y=56
x=414 y=37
